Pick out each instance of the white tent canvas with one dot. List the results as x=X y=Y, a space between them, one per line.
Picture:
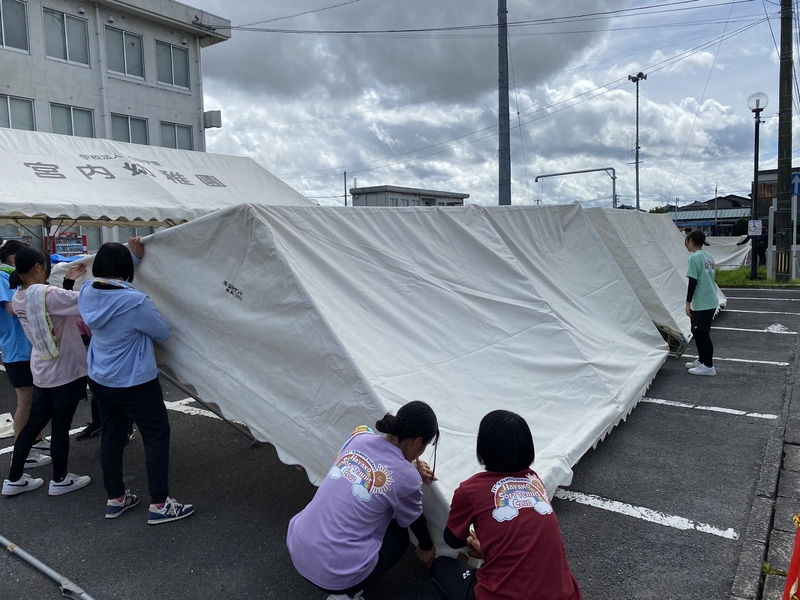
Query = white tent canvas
x=52 y=178
x=672 y=242
x=726 y=253
x=311 y=321
x=660 y=287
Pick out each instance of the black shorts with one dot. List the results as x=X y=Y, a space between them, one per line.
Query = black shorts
x=701 y=319
x=62 y=395
x=19 y=373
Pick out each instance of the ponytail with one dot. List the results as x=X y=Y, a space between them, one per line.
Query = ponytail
x=413 y=420
x=14 y=280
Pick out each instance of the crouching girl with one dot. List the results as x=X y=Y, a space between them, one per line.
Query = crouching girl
x=355 y=527
x=505 y=517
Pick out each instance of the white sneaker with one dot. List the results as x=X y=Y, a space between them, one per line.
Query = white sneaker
x=26 y=483
x=37 y=460
x=693 y=364
x=71 y=483
x=42 y=447
x=359 y=596
x=703 y=370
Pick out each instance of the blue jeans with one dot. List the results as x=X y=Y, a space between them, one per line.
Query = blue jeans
x=144 y=405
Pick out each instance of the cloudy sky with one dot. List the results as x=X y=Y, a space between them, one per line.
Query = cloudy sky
x=419 y=108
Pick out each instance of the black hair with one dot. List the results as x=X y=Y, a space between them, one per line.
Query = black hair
x=413 y=420
x=505 y=443
x=697 y=237
x=687 y=229
x=10 y=248
x=27 y=258
x=113 y=260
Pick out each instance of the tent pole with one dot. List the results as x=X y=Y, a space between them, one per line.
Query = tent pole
x=68 y=588
x=194 y=397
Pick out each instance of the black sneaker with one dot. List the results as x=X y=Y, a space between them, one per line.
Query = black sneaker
x=89 y=431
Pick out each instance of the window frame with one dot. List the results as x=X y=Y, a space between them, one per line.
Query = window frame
x=3 y=44
x=175 y=129
x=141 y=77
x=128 y=118
x=172 y=48
x=8 y=98
x=72 y=119
x=64 y=16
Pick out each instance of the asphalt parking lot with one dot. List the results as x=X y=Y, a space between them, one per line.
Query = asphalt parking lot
x=660 y=509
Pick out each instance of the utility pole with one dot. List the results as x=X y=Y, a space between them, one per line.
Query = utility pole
x=715 y=209
x=505 y=124
x=345 y=188
x=636 y=78
x=785 y=233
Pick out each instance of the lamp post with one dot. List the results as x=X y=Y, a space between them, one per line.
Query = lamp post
x=636 y=79
x=756 y=103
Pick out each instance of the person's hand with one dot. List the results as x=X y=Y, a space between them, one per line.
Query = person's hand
x=689 y=309
x=425 y=471
x=136 y=247
x=75 y=271
x=426 y=556
x=474 y=545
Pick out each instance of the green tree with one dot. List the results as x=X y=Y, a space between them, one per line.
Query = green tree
x=740 y=227
x=660 y=209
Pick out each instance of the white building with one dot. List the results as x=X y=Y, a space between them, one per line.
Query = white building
x=392 y=195
x=130 y=71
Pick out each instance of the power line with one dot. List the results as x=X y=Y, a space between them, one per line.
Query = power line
x=308 y=12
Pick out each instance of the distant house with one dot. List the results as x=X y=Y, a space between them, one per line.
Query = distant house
x=393 y=195
x=716 y=216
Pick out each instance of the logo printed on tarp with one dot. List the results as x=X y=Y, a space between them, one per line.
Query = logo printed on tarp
x=511 y=494
x=233 y=290
x=361 y=471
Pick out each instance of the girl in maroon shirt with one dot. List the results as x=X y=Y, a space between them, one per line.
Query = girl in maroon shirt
x=507 y=508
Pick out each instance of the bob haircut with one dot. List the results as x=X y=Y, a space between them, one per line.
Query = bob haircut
x=505 y=443
x=113 y=261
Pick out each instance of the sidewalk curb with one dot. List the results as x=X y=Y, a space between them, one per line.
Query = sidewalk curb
x=748 y=581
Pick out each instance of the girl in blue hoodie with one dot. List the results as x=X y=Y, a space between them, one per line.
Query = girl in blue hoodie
x=123 y=377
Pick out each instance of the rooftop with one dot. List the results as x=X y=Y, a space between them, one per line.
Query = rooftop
x=405 y=190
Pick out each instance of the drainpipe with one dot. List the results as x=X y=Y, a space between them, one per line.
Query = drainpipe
x=101 y=59
x=202 y=136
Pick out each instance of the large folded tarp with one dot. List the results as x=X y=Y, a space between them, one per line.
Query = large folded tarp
x=660 y=288
x=726 y=253
x=59 y=179
x=672 y=242
x=310 y=321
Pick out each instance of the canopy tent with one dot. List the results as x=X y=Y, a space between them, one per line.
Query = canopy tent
x=672 y=242
x=659 y=286
x=53 y=179
x=726 y=253
x=314 y=320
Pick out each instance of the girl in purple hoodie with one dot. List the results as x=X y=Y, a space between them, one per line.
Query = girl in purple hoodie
x=123 y=377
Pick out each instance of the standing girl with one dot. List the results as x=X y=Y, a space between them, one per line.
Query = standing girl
x=702 y=302
x=58 y=366
x=123 y=377
x=355 y=527
x=515 y=530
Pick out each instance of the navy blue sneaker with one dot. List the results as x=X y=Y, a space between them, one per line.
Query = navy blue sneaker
x=115 y=508
x=172 y=511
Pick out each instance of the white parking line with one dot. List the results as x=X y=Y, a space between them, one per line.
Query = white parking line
x=770 y=299
x=762 y=312
x=744 y=360
x=729 y=411
x=646 y=514
x=757 y=330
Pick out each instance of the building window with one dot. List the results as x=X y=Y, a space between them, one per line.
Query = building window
x=173 y=64
x=68 y=120
x=404 y=202
x=16 y=113
x=176 y=136
x=14 y=24
x=124 y=52
x=392 y=201
x=128 y=129
x=65 y=37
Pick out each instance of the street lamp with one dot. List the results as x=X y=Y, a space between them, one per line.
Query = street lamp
x=756 y=102
x=636 y=79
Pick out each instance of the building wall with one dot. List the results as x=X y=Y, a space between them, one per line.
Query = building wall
x=47 y=80
x=402 y=199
